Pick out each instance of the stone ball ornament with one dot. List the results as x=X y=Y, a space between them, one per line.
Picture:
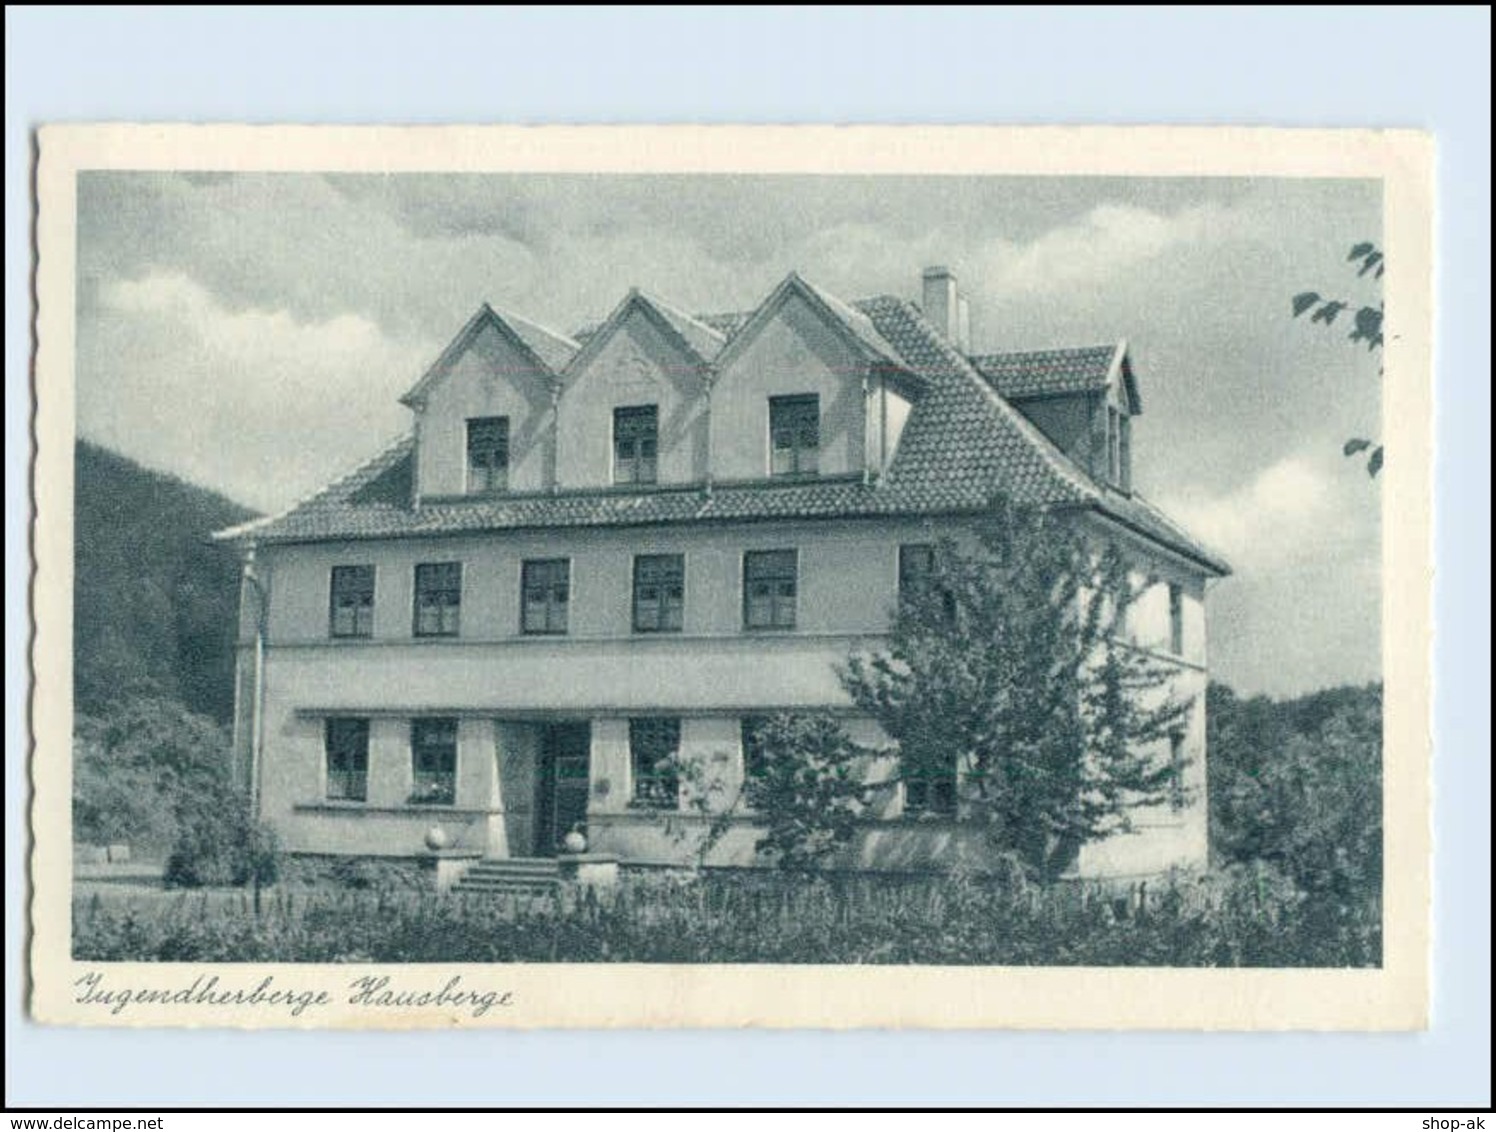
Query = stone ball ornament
x=436 y=839
x=575 y=842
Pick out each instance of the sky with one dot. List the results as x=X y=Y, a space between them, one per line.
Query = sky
x=253 y=332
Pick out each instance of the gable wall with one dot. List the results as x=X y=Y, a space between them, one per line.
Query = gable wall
x=492 y=378
x=795 y=352
x=638 y=365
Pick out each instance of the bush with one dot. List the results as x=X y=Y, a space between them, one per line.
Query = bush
x=1248 y=916
x=218 y=844
x=133 y=766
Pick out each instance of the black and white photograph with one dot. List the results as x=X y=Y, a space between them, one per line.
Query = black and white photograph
x=945 y=571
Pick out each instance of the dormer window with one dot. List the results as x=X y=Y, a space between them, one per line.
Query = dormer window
x=636 y=442
x=487 y=455
x=794 y=435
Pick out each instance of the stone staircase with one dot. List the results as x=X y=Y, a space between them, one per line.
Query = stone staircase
x=510 y=876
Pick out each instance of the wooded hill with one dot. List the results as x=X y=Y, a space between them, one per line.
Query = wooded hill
x=154 y=600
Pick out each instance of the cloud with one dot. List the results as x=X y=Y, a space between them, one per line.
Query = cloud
x=1303 y=607
x=255 y=402
x=1267 y=519
x=1109 y=241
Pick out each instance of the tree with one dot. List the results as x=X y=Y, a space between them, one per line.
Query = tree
x=1366 y=326
x=1299 y=785
x=804 y=785
x=1006 y=668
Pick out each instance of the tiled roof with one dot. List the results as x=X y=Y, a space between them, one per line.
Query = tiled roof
x=550 y=346
x=1040 y=373
x=963 y=444
x=703 y=339
x=551 y=349
x=726 y=323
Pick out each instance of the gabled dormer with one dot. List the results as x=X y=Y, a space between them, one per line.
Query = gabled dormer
x=807 y=388
x=633 y=404
x=1082 y=399
x=483 y=408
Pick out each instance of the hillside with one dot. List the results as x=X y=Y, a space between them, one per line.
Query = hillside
x=154 y=602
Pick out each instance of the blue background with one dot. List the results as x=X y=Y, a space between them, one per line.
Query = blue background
x=1427 y=68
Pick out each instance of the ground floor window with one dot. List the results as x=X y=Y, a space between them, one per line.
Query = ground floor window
x=347 y=744
x=930 y=790
x=750 y=729
x=653 y=746
x=433 y=750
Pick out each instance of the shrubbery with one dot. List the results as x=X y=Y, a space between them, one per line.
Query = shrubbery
x=1245 y=917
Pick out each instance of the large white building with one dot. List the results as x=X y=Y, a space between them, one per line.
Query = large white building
x=596 y=549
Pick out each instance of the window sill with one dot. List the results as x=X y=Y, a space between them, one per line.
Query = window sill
x=336 y=807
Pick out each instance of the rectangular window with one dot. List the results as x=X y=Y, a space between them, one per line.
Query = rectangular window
x=1113 y=444
x=433 y=754
x=1176 y=765
x=352 y=612
x=1176 y=619
x=487 y=454
x=636 y=441
x=769 y=584
x=753 y=750
x=653 y=745
x=795 y=435
x=347 y=745
x=545 y=585
x=659 y=593
x=916 y=563
x=930 y=790
x=438 y=599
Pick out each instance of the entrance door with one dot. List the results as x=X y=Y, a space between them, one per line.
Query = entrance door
x=562 y=802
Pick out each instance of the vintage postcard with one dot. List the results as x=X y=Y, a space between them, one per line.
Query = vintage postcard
x=727 y=576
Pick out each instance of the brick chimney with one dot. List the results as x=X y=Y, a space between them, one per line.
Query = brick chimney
x=946 y=308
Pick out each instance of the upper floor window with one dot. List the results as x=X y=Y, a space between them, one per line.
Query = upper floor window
x=1176 y=619
x=1177 y=796
x=347 y=746
x=794 y=435
x=487 y=454
x=438 y=599
x=636 y=444
x=433 y=753
x=1119 y=447
x=352 y=601
x=659 y=593
x=545 y=585
x=769 y=584
x=653 y=748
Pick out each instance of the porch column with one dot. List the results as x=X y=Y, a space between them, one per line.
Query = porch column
x=478 y=785
x=609 y=766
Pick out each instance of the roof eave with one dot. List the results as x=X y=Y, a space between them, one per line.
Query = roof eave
x=1213 y=565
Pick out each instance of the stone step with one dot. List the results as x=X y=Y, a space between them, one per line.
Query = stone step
x=504 y=884
x=512 y=876
x=538 y=874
